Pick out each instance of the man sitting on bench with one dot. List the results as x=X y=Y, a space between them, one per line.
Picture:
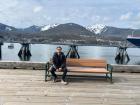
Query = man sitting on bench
x=59 y=64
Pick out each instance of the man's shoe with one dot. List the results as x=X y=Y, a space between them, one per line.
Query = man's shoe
x=55 y=80
x=64 y=82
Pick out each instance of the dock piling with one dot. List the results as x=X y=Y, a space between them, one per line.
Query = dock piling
x=25 y=52
x=122 y=56
x=73 y=52
x=1 y=51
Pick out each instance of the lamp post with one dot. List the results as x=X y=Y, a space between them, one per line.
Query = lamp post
x=133 y=32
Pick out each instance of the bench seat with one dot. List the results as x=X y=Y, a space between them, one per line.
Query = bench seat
x=87 y=70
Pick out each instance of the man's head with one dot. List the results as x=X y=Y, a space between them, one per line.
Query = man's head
x=58 y=49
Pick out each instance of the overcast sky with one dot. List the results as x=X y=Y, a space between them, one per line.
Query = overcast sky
x=24 y=13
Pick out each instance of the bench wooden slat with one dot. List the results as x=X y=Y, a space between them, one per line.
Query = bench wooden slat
x=87 y=70
x=97 y=60
x=87 y=62
x=83 y=59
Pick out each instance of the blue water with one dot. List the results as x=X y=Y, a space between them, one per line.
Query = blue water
x=43 y=52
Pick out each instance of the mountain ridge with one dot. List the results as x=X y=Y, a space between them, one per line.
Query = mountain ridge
x=97 y=29
x=68 y=33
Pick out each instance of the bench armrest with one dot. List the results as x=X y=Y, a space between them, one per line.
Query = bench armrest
x=47 y=65
x=109 y=67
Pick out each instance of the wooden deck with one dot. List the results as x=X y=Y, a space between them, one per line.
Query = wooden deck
x=27 y=87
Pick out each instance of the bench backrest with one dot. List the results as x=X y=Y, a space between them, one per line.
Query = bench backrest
x=87 y=62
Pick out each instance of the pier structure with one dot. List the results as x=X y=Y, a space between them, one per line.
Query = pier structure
x=122 y=56
x=25 y=52
x=73 y=52
x=1 y=50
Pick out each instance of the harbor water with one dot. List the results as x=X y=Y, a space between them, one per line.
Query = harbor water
x=43 y=52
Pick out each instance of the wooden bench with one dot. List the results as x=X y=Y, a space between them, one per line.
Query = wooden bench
x=86 y=66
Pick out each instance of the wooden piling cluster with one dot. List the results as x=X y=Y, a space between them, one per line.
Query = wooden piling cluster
x=25 y=52
x=73 y=52
x=122 y=56
x=1 y=50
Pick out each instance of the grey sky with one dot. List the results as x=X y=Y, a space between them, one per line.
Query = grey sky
x=24 y=13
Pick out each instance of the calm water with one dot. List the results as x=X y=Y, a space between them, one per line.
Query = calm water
x=43 y=52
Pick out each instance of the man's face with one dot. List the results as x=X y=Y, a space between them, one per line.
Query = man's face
x=58 y=50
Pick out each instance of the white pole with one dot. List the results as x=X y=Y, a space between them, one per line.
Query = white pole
x=133 y=33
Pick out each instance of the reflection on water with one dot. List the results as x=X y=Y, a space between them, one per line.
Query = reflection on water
x=43 y=52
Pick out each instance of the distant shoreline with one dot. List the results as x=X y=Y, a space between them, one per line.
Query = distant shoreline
x=69 y=44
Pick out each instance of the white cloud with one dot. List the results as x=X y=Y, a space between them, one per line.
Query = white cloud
x=138 y=15
x=6 y=4
x=135 y=22
x=37 y=9
x=96 y=18
x=126 y=16
x=47 y=17
x=22 y=13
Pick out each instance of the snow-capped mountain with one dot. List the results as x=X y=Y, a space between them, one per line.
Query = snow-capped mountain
x=4 y=27
x=31 y=29
x=67 y=30
x=49 y=26
x=34 y=28
x=72 y=28
x=97 y=28
x=104 y=30
x=8 y=28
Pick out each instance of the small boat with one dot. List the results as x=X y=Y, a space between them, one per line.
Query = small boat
x=11 y=46
x=134 y=39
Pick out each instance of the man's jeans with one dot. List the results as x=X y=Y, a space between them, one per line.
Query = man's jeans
x=64 y=70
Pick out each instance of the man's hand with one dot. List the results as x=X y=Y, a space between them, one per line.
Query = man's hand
x=57 y=69
x=60 y=69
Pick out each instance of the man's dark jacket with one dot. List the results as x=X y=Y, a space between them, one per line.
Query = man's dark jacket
x=59 y=61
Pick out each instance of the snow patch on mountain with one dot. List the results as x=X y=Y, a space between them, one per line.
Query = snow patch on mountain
x=97 y=29
x=47 y=27
x=8 y=28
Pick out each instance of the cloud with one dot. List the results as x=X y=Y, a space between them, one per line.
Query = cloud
x=126 y=16
x=6 y=4
x=135 y=20
x=37 y=9
x=22 y=13
x=138 y=15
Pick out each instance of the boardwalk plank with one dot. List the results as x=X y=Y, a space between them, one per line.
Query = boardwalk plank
x=27 y=87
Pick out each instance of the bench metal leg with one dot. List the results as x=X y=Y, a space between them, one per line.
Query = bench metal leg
x=109 y=76
x=46 y=75
x=47 y=72
x=106 y=76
